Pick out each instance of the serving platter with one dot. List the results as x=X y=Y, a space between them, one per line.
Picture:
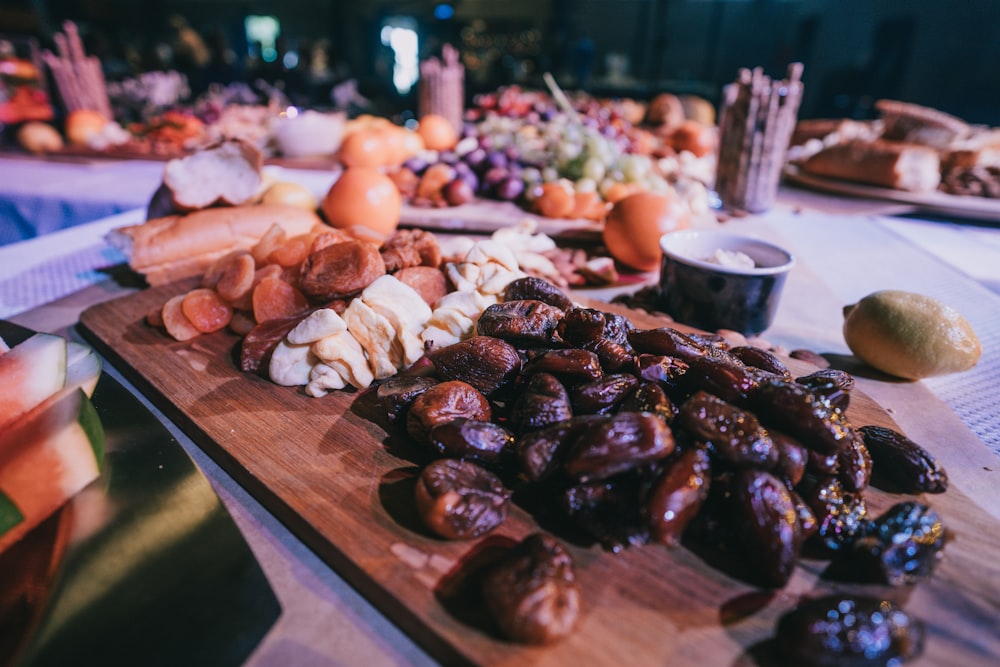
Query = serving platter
x=485 y=216
x=342 y=480
x=975 y=208
x=144 y=565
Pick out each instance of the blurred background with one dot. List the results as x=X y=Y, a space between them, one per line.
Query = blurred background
x=940 y=54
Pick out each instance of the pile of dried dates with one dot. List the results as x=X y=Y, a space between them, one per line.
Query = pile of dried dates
x=626 y=436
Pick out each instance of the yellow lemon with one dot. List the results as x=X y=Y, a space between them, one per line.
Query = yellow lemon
x=910 y=335
x=293 y=194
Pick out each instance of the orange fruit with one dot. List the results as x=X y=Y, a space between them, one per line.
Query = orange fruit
x=437 y=132
x=635 y=224
x=364 y=147
x=363 y=197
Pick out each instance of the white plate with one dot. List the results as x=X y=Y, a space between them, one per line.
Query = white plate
x=978 y=208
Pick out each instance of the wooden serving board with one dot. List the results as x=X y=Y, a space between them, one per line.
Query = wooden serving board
x=329 y=469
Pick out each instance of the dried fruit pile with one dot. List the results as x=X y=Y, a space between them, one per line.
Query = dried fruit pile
x=633 y=436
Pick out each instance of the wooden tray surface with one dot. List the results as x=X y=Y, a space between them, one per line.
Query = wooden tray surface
x=342 y=483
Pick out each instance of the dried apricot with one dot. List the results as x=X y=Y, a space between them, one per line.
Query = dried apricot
x=206 y=310
x=177 y=323
x=274 y=298
x=237 y=278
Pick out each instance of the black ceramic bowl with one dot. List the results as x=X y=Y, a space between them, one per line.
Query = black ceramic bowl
x=704 y=284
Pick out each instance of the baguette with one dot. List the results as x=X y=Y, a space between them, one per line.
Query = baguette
x=886 y=164
x=178 y=246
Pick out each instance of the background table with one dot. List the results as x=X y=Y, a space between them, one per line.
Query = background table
x=39 y=196
x=842 y=256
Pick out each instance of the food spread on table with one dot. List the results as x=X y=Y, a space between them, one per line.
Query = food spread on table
x=627 y=436
x=513 y=396
x=909 y=147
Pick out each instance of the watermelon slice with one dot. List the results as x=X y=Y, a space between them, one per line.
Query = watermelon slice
x=30 y=373
x=83 y=367
x=46 y=457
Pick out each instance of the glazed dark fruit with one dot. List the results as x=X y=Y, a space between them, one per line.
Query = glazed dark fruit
x=541 y=453
x=538 y=289
x=524 y=322
x=532 y=593
x=767 y=526
x=901 y=547
x=571 y=365
x=618 y=444
x=762 y=359
x=488 y=364
x=397 y=393
x=678 y=495
x=459 y=500
x=541 y=401
x=602 y=395
x=802 y=413
x=482 y=442
x=442 y=403
x=840 y=515
x=901 y=465
x=733 y=435
x=836 y=631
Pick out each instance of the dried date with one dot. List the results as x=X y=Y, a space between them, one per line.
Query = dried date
x=617 y=444
x=537 y=289
x=841 y=516
x=802 y=413
x=542 y=400
x=396 y=394
x=602 y=395
x=571 y=365
x=524 y=322
x=760 y=358
x=678 y=495
x=481 y=442
x=650 y=397
x=732 y=435
x=900 y=547
x=854 y=465
x=666 y=341
x=540 y=453
x=488 y=364
x=442 y=403
x=835 y=631
x=532 y=592
x=767 y=522
x=901 y=465
x=459 y=500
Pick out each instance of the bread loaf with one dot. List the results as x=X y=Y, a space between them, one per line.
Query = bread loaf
x=230 y=173
x=178 y=246
x=915 y=124
x=883 y=163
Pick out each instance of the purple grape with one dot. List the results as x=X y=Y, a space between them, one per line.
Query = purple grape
x=448 y=157
x=497 y=159
x=475 y=158
x=465 y=172
x=458 y=192
x=510 y=188
x=494 y=176
x=416 y=164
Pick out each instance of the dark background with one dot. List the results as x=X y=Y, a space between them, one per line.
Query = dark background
x=931 y=52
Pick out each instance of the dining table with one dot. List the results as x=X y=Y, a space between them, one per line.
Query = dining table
x=844 y=248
